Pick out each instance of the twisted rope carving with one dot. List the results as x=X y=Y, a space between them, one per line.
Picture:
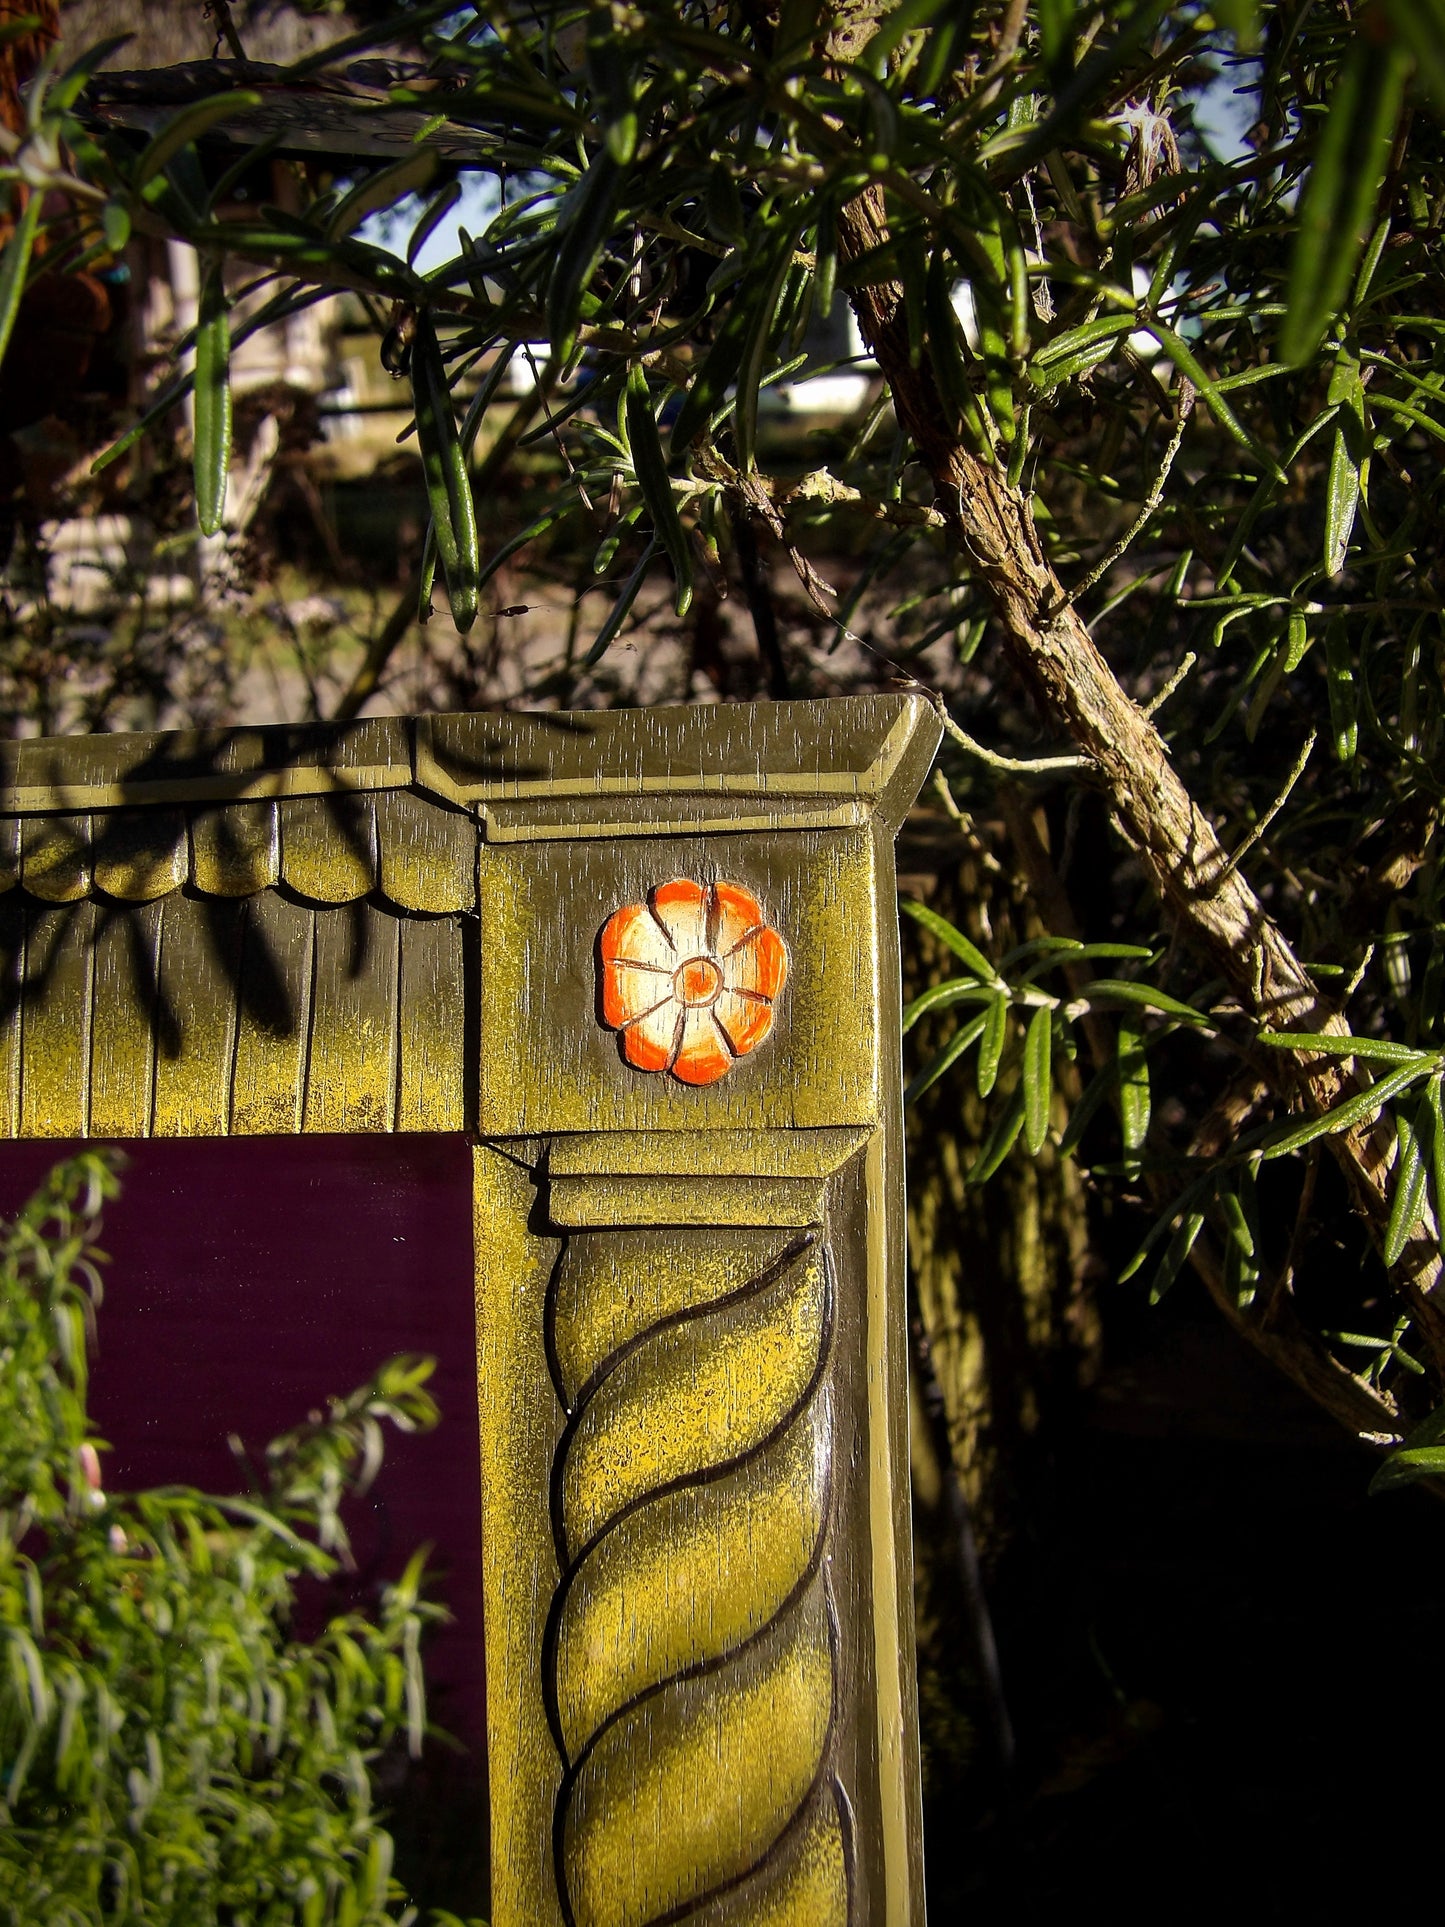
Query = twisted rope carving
x=692 y=1646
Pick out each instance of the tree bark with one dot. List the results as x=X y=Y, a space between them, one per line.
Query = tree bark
x=1212 y=904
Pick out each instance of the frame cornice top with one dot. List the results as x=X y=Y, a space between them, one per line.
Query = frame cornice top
x=536 y=775
x=800 y=765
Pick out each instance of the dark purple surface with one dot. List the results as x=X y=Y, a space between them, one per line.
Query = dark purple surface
x=251 y=1278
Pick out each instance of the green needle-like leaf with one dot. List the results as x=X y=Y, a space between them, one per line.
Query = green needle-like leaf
x=412 y=174
x=583 y=223
x=760 y=309
x=1134 y=1101
x=1038 y=1087
x=189 y=125
x=650 y=465
x=444 y=463
x=1344 y=697
x=1408 y=1196
x=14 y=265
x=1348 y=455
x=949 y=934
x=1408 y=1467
x=618 y=614
x=1436 y=1189
x=1000 y=1140
x=1111 y=990
x=958 y=990
x=990 y=1051
x=944 y=1059
x=1356 y=1110
x=1338 y=209
x=212 y=453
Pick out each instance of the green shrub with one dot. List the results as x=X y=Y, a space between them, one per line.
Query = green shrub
x=170 y=1751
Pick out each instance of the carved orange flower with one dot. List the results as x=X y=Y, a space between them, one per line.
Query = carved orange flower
x=690 y=977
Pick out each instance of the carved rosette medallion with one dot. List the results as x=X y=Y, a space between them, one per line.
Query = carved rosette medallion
x=692 y=1649
x=689 y=978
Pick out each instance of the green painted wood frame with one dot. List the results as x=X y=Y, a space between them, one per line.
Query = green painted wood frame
x=649 y=961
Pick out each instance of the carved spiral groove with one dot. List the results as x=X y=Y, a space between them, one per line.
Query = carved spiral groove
x=692 y=1646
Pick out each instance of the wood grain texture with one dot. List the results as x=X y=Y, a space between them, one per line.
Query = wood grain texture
x=715 y=1645
x=55 y=857
x=432 y=1080
x=55 y=1021
x=864 y=756
x=13 y=911
x=351 y=1064
x=191 y=1016
x=807 y=1878
x=721 y=1757
x=125 y=986
x=862 y=750
x=600 y=1199
x=277 y=965
x=521 y=1424
x=10 y=827
x=663 y=1643
x=140 y=854
x=731 y=1374
x=730 y=1153
x=196 y=1016
x=428 y=855
x=887 y=1378
x=730 y=1669
x=337 y=847
x=818 y=1067
x=236 y=850
x=41 y=775
x=571 y=819
x=664 y=1574
x=328 y=847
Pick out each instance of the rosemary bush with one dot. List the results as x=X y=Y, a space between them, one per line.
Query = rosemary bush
x=1145 y=490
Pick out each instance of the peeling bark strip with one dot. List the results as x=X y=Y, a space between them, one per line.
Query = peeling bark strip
x=1216 y=910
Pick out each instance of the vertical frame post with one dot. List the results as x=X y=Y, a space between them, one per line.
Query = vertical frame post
x=692 y=1340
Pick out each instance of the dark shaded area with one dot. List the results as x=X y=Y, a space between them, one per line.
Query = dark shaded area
x=1220 y=1656
x=252 y=1278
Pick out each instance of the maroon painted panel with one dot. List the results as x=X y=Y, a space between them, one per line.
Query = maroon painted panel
x=249 y=1279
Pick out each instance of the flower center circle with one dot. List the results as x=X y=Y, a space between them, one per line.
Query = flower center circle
x=697 y=981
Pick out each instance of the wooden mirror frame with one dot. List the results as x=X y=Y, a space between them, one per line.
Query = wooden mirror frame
x=648 y=960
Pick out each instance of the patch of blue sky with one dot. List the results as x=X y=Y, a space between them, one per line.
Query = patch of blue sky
x=474 y=210
x=1227 y=107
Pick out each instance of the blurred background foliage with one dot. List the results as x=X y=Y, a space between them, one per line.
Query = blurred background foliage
x=173 y=1748
x=1079 y=363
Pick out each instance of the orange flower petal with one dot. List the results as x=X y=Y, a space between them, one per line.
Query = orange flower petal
x=704 y=1056
x=633 y=935
x=746 y=1021
x=629 y=990
x=738 y=913
x=717 y=931
x=649 y=1042
x=759 y=965
x=682 y=907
